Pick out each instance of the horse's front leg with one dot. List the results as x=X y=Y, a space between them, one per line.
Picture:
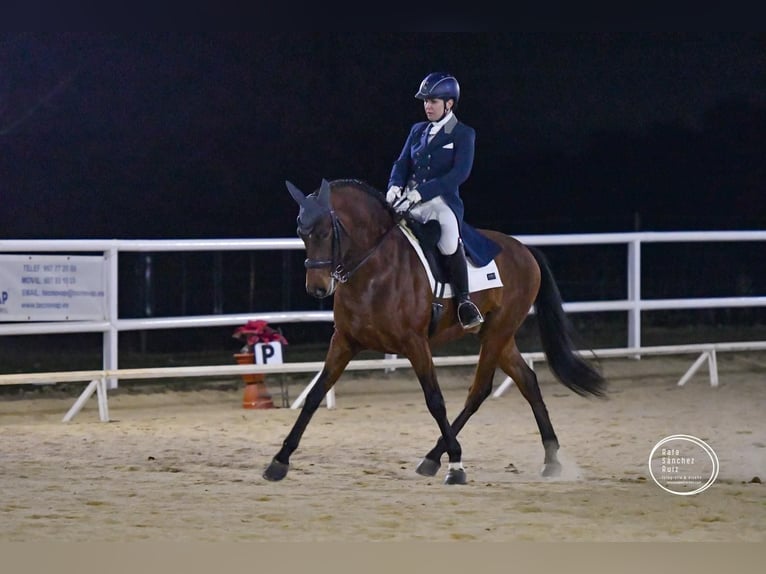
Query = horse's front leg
x=480 y=390
x=422 y=363
x=338 y=356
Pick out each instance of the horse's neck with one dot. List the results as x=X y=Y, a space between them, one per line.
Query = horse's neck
x=365 y=220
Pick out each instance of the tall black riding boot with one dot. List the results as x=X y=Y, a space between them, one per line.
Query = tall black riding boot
x=467 y=313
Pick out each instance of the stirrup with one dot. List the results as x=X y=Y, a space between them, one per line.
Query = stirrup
x=468 y=314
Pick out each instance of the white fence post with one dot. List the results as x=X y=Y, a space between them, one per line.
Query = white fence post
x=110 y=359
x=634 y=293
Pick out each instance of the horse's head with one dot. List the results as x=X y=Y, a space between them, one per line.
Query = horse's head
x=318 y=228
x=342 y=237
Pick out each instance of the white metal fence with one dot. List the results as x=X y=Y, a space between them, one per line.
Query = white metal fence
x=100 y=380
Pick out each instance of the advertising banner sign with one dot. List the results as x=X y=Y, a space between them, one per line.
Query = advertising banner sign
x=52 y=288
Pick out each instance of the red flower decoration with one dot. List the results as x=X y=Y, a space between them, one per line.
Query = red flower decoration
x=254 y=332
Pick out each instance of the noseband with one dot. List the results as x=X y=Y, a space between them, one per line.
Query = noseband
x=340 y=273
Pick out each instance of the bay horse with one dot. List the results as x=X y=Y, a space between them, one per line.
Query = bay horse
x=357 y=253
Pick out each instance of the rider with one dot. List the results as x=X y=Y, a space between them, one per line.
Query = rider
x=436 y=158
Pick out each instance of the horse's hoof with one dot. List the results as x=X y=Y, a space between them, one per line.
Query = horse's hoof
x=428 y=467
x=455 y=476
x=551 y=469
x=276 y=471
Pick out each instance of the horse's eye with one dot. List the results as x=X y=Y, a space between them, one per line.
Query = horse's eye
x=323 y=235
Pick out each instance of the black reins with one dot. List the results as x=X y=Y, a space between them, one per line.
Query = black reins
x=340 y=273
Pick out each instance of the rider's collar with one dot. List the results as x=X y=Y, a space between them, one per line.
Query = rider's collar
x=436 y=126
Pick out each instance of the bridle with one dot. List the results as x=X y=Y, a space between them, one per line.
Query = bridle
x=340 y=271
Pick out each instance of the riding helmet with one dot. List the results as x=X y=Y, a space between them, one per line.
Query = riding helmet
x=439 y=85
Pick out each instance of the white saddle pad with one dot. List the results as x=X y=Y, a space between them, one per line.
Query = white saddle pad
x=479 y=278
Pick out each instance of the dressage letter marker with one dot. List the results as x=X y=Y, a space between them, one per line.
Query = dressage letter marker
x=268 y=353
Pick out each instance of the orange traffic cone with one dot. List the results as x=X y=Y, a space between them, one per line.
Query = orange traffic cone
x=256 y=394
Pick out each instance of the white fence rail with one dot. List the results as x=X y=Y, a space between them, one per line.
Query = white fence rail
x=111 y=325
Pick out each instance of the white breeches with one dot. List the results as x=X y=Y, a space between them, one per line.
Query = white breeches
x=440 y=211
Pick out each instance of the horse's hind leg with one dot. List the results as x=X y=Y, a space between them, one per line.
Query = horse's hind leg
x=514 y=366
x=479 y=391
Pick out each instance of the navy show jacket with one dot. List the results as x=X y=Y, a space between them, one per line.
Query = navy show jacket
x=437 y=169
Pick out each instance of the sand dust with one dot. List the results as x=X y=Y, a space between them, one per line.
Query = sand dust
x=187 y=465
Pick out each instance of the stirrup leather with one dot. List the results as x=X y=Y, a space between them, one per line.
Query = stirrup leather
x=468 y=314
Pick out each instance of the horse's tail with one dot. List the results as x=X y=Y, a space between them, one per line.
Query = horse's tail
x=556 y=333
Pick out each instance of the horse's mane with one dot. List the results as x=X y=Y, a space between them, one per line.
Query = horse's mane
x=365 y=187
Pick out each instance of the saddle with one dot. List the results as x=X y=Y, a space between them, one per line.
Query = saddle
x=428 y=234
x=482 y=274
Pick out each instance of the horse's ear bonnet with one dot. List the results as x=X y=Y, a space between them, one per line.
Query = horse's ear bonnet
x=312 y=207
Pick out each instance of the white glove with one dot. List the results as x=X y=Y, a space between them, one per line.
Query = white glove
x=394 y=192
x=410 y=200
x=414 y=196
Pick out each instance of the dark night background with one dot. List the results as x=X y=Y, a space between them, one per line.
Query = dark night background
x=191 y=135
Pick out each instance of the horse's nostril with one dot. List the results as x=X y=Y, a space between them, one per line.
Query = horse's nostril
x=317 y=292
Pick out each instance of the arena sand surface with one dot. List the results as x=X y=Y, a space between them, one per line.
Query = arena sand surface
x=186 y=466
